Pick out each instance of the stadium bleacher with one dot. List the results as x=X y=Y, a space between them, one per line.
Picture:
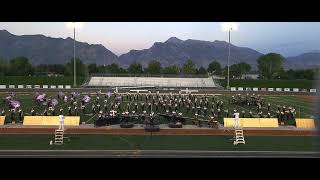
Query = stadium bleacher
x=151 y=81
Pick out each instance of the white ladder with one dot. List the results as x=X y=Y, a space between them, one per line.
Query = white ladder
x=239 y=137
x=58 y=139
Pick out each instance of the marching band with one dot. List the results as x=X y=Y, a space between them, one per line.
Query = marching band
x=128 y=104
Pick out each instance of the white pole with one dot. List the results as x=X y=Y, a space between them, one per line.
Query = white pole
x=229 y=59
x=74 y=57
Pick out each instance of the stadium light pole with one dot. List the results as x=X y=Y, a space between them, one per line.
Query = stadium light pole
x=74 y=26
x=228 y=84
x=74 y=57
x=229 y=27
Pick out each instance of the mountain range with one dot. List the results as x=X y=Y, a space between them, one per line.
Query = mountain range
x=176 y=51
x=46 y=50
x=305 y=60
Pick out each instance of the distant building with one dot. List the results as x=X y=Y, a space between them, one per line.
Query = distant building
x=250 y=76
x=48 y=74
x=54 y=75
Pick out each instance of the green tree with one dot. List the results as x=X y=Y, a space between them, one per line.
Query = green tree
x=215 y=68
x=270 y=65
x=100 y=69
x=80 y=68
x=154 y=67
x=234 y=71
x=309 y=74
x=60 y=68
x=123 y=70
x=244 y=68
x=20 y=66
x=56 y=68
x=316 y=72
x=237 y=70
x=92 y=68
x=174 y=69
x=189 y=68
x=41 y=69
x=283 y=74
x=4 y=67
x=113 y=68
x=202 y=71
x=135 y=68
x=304 y=74
x=290 y=74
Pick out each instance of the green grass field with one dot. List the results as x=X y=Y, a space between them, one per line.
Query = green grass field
x=159 y=142
x=302 y=84
x=29 y=80
x=304 y=107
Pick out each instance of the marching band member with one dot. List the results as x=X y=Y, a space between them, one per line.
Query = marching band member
x=83 y=108
x=268 y=115
x=75 y=110
x=45 y=113
x=93 y=109
x=3 y=112
x=20 y=115
x=98 y=106
x=69 y=110
x=236 y=119
x=243 y=113
x=32 y=112
x=61 y=122
x=53 y=112
x=227 y=112
x=250 y=114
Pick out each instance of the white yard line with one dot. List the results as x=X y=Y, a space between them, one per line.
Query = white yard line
x=168 y=151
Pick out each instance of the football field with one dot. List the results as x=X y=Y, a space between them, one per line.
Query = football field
x=302 y=104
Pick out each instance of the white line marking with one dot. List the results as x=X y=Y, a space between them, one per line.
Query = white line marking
x=168 y=151
x=172 y=156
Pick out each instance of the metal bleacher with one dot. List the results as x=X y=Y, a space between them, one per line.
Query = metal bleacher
x=151 y=81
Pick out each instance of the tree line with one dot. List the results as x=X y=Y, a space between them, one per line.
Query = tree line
x=21 y=66
x=270 y=66
x=153 y=67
